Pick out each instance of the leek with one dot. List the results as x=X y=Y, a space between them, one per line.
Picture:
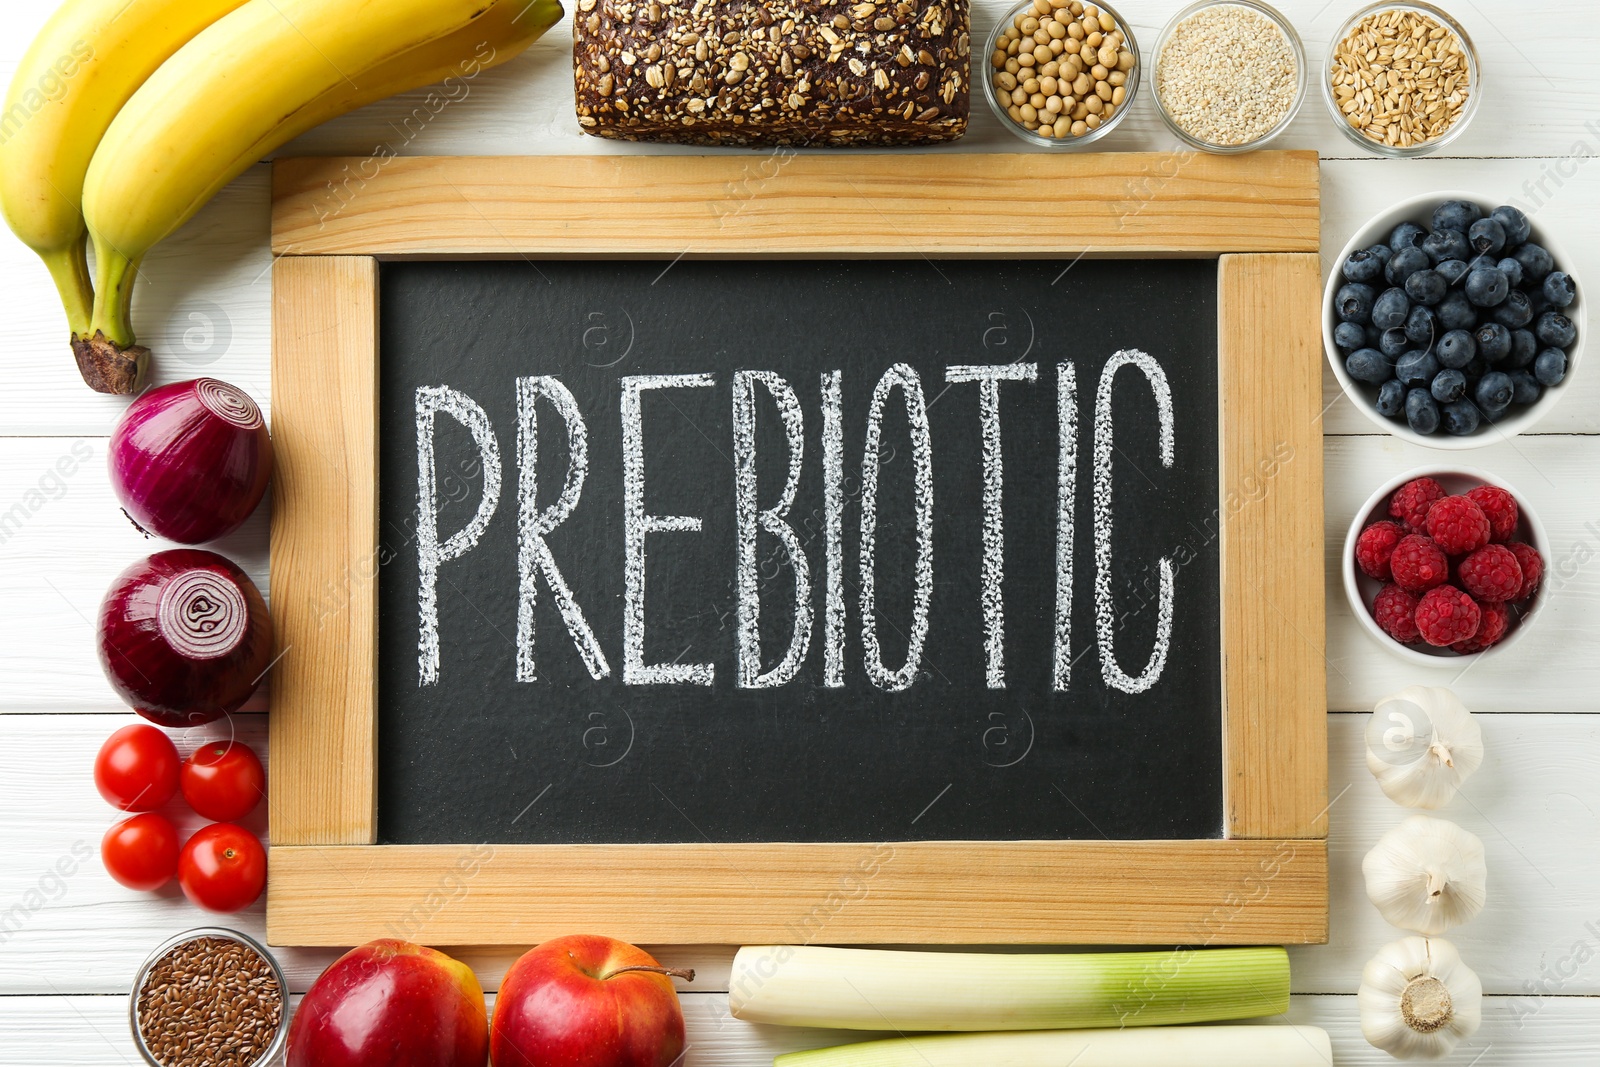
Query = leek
x=875 y=989
x=1191 y=1046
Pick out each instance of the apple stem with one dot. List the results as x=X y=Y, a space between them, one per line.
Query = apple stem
x=675 y=972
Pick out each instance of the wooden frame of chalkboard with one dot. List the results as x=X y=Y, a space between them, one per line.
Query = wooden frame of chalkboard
x=1264 y=882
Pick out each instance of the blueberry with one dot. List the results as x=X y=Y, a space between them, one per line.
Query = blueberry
x=1422 y=412
x=1512 y=269
x=1448 y=385
x=1390 y=309
x=1460 y=418
x=1406 y=235
x=1494 y=392
x=1474 y=370
x=1456 y=215
x=1536 y=262
x=1514 y=222
x=1374 y=335
x=1516 y=311
x=1353 y=302
x=1487 y=286
x=1452 y=269
x=1394 y=342
x=1362 y=266
x=1352 y=335
x=1416 y=369
x=1456 y=349
x=1455 y=312
x=1446 y=244
x=1524 y=346
x=1558 y=289
x=1391 y=399
x=1369 y=365
x=1538 y=304
x=1555 y=329
x=1382 y=251
x=1487 y=236
x=1426 y=287
x=1420 y=326
x=1550 y=366
x=1494 y=341
x=1525 y=388
x=1404 y=263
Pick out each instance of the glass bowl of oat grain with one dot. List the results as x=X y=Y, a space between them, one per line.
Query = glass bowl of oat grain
x=1422 y=73
x=1229 y=76
x=210 y=996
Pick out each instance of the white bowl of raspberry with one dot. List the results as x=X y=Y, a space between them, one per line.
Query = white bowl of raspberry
x=1436 y=582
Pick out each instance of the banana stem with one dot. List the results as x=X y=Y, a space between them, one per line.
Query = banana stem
x=107 y=357
x=69 y=268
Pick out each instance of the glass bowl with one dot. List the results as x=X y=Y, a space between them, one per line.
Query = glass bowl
x=273 y=1052
x=1473 y=84
x=1303 y=76
x=991 y=92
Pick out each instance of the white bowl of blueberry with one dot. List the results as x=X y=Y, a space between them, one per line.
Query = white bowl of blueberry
x=1451 y=322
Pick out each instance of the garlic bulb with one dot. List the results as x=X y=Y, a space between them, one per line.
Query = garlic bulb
x=1422 y=743
x=1418 y=1000
x=1427 y=875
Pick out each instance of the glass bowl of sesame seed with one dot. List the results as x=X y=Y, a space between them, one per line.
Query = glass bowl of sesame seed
x=1077 y=83
x=1229 y=76
x=1401 y=79
x=210 y=995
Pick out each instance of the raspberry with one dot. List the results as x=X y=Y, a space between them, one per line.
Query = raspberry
x=1532 y=565
x=1491 y=628
x=1417 y=564
x=1396 y=613
x=1375 y=546
x=1491 y=574
x=1458 y=525
x=1411 y=502
x=1501 y=509
x=1446 y=615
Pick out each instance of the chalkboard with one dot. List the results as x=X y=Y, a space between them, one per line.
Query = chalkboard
x=746 y=400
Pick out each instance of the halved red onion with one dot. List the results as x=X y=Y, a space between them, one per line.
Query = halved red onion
x=184 y=637
x=190 y=461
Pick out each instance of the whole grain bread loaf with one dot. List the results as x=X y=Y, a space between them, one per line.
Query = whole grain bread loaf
x=781 y=72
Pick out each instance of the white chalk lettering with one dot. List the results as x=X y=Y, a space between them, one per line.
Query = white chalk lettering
x=1066 y=495
x=833 y=522
x=1104 y=611
x=637 y=525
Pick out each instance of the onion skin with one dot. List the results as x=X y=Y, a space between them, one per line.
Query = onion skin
x=191 y=461
x=184 y=637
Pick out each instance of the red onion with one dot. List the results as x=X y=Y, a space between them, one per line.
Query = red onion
x=190 y=461
x=184 y=637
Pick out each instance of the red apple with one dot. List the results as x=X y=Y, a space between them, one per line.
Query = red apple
x=587 y=1001
x=392 y=1004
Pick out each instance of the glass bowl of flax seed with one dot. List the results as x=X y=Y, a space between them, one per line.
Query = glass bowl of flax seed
x=1401 y=79
x=212 y=996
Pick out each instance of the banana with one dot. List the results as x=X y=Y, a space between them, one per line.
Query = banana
x=87 y=61
x=250 y=82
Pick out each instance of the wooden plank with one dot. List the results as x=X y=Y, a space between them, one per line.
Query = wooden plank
x=933 y=892
x=1275 y=763
x=324 y=537
x=91 y=1031
x=1128 y=204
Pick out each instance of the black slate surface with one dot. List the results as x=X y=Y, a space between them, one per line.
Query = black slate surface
x=479 y=756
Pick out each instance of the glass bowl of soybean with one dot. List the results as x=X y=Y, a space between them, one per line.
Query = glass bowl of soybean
x=1001 y=84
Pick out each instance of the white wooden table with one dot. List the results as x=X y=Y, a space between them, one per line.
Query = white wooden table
x=69 y=944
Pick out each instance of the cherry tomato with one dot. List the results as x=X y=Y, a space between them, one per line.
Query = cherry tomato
x=137 y=769
x=223 y=781
x=223 y=868
x=141 y=852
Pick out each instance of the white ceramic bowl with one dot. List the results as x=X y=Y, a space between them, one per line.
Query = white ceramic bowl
x=1360 y=589
x=1419 y=209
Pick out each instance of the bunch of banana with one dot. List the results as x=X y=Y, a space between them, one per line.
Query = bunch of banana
x=259 y=74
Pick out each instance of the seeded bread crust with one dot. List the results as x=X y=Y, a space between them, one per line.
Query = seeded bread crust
x=784 y=72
